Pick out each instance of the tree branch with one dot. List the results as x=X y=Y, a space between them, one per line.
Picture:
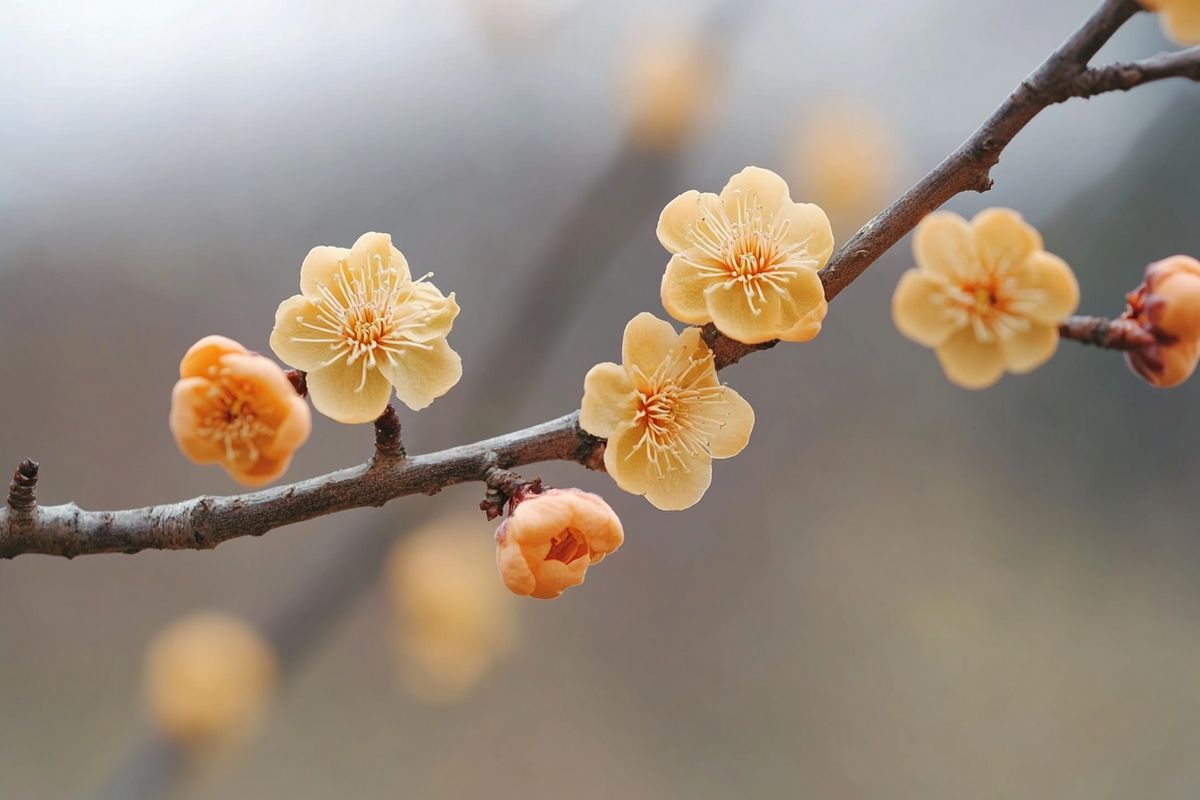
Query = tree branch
x=207 y=521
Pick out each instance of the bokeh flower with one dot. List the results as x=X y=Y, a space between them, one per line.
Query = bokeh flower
x=664 y=413
x=985 y=295
x=238 y=409
x=1180 y=19
x=848 y=158
x=208 y=678
x=361 y=325
x=548 y=542
x=1167 y=306
x=669 y=84
x=453 y=619
x=746 y=260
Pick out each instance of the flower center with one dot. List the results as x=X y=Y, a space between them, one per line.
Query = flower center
x=230 y=418
x=676 y=416
x=368 y=315
x=752 y=250
x=568 y=546
x=992 y=304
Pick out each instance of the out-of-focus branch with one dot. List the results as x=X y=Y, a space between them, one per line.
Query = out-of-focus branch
x=1111 y=334
x=205 y=522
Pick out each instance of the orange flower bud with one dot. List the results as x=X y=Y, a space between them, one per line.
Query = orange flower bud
x=547 y=544
x=1169 y=300
x=1165 y=365
x=1167 y=306
x=238 y=409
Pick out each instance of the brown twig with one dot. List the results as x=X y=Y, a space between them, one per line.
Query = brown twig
x=1112 y=334
x=205 y=522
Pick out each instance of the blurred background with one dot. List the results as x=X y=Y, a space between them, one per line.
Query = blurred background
x=899 y=590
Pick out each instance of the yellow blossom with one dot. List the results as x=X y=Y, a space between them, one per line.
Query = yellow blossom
x=453 y=619
x=238 y=409
x=746 y=260
x=208 y=678
x=664 y=413
x=1167 y=305
x=985 y=295
x=362 y=325
x=1180 y=19
x=668 y=86
x=546 y=546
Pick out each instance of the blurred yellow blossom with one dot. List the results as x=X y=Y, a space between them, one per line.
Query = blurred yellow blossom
x=669 y=83
x=452 y=618
x=1167 y=305
x=362 y=325
x=238 y=409
x=664 y=413
x=548 y=542
x=746 y=260
x=1180 y=19
x=208 y=678
x=848 y=159
x=985 y=295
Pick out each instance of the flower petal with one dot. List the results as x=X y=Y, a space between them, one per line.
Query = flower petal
x=320 y=268
x=555 y=577
x=1025 y=351
x=189 y=404
x=374 y=252
x=206 y=354
x=514 y=569
x=682 y=291
x=737 y=423
x=1055 y=285
x=689 y=209
x=918 y=310
x=443 y=311
x=970 y=363
x=608 y=399
x=261 y=472
x=1003 y=239
x=339 y=392
x=809 y=224
x=291 y=431
x=421 y=376
x=944 y=244
x=672 y=490
x=802 y=307
x=754 y=187
x=646 y=342
x=296 y=337
x=791 y=312
x=599 y=524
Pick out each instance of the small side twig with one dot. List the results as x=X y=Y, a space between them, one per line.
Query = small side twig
x=387 y=436
x=504 y=486
x=21 y=492
x=1112 y=334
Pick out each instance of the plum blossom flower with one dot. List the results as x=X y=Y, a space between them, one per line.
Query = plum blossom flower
x=238 y=409
x=208 y=678
x=548 y=542
x=361 y=325
x=1167 y=306
x=746 y=260
x=985 y=295
x=664 y=413
x=1180 y=19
